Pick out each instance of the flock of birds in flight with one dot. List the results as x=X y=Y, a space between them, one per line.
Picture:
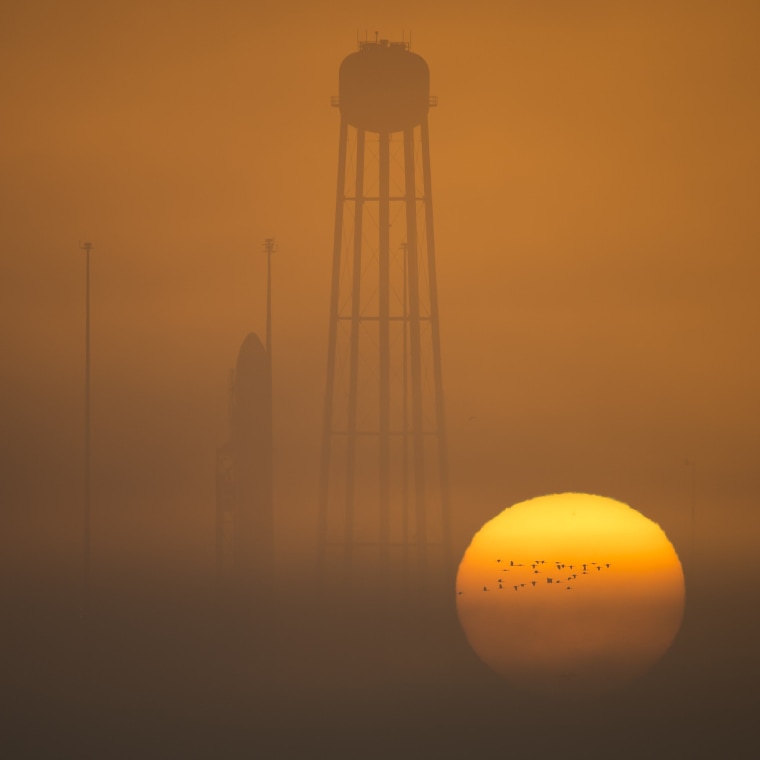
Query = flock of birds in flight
x=561 y=573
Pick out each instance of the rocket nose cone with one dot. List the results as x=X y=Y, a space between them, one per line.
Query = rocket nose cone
x=252 y=355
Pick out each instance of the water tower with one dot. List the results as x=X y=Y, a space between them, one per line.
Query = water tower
x=384 y=501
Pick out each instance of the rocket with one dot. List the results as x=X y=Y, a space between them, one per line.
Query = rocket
x=245 y=508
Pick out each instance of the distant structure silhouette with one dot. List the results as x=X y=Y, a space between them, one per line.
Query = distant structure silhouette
x=693 y=512
x=384 y=497
x=86 y=247
x=244 y=488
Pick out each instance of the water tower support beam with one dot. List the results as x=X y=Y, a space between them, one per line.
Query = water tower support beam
x=331 y=346
x=384 y=288
x=353 y=385
x=418 y=451
x=440 y=414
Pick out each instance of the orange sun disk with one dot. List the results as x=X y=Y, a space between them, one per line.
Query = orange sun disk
x=570 y=594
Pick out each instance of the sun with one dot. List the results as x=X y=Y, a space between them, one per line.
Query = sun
x=570 y=594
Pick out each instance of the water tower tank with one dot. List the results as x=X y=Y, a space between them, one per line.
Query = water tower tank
x=384 y=87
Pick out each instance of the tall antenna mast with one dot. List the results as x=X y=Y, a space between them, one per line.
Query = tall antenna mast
x=692 y=551
x=270 y=247
x=87 y=247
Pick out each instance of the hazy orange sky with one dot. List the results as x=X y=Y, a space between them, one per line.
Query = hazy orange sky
x=595 y=177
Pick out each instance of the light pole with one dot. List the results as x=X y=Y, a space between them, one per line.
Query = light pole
x=270 y=247
x=87 y=247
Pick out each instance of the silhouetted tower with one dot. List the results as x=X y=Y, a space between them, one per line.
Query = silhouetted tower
x=384 y=501
x=244 y=494
x=86 y=247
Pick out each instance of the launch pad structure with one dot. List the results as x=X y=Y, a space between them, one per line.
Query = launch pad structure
x=384 y=512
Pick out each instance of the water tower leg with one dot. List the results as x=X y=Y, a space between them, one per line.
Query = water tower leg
x=353 y=384
x=384 y=289
x=331 y=351
x=418 y=450
x=440 y=415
